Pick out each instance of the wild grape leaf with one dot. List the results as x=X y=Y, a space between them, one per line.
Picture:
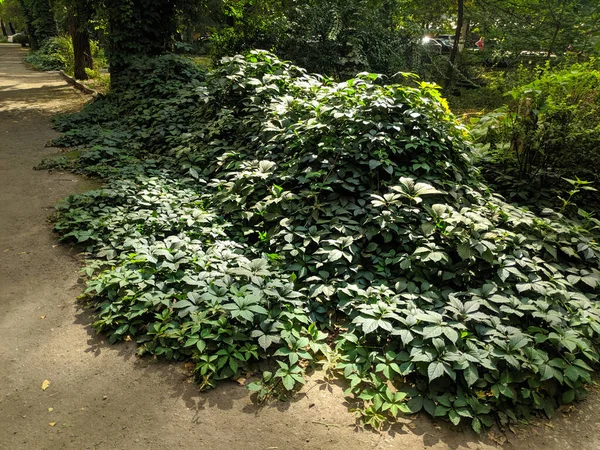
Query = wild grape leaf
x=435 y=370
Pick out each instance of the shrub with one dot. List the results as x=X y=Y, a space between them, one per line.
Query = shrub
x=551 y=130
x=154 y=101
x=55 y=54
x=292 y=218
x=332 y=37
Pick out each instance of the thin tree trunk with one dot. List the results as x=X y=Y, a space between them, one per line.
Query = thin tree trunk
x=459 y=23
x=464 y=32
x=29 y=18
x=81 y=45
x=553 y=41
x=4 y=32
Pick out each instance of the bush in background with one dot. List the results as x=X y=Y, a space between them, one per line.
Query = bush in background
x=331 y=37
x=55 y=54
x=549 y=131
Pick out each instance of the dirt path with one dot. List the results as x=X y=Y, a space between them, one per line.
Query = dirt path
x=104 y=397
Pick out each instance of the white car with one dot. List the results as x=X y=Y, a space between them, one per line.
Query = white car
x=13 y=36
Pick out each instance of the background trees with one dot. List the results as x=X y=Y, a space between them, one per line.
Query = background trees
x=334 y=37
x=41 y=24
x=12 y=18
x=79 y=14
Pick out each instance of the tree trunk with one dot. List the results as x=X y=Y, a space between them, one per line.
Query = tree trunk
x=43 y=20
x=137 y=28
x=459 y=23
x=4 y=33
x=553 y=41
x=11 y=29
x=29 y=19
x=81 y=45
x=464 y=33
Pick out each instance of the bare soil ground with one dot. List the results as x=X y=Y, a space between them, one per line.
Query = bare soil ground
x=103 y=396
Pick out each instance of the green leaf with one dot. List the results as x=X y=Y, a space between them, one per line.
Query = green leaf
x=288 y=382
x=369 y=325
x=568 y=396
x=471 y=374
x=435 y=370
x=415 y=404
x=464 y=251
x=432 y=331
x=335 y=255
x=454 y=417
x=476 y=425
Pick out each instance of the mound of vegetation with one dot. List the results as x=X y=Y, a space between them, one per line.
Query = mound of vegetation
x=259 y=212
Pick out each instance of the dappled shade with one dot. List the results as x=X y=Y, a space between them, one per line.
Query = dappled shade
x=258 y=211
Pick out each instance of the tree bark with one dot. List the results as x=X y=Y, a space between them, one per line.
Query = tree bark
x=4 y=32
x=137 y=28
x=553 y=41
x=81 y=44
x=29 y=18
x=459 y=23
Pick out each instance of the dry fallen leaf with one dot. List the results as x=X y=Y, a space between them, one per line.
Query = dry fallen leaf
x=50 y=409
x=42 y=317
x=499 y=439
x=52 y=424
x=241 y=381
x=45 y=385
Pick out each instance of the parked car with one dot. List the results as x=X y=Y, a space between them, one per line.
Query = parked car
x=19 y=38
x=437 y=45
x=11 y=38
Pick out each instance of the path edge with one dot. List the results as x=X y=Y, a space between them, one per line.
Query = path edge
x=77 y=85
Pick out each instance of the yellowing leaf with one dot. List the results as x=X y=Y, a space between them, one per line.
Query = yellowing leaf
x=45 y=385
x=50 y=409
x=42 y=317
x=52 y=424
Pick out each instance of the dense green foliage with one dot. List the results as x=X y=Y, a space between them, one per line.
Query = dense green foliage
x=338 y=38
x=55 y=54
x=134 y=28
x=538 y=25
x=12 y=17
x=333 y=37
x=40 y=21
x=260 y=212
x=549 y=131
